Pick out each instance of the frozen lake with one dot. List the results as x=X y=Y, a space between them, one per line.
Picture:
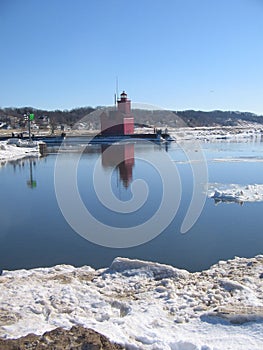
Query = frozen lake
x=35 y=233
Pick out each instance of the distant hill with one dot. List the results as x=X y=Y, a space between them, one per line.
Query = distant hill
x=214 y=118
x=142 y=117
x=15 y=116
x=89 y=118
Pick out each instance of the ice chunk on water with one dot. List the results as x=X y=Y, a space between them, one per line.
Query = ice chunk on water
x=235 y=193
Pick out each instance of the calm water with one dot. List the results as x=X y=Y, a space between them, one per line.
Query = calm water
x=34 y=232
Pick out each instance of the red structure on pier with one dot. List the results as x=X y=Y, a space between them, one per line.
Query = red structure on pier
x=120 y=121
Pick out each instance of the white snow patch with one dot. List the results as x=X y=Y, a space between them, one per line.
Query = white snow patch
x=235 y=193
x=12 y=152
x=226 y=133
x=156 y=270
x=142 y=305
x=252 y=159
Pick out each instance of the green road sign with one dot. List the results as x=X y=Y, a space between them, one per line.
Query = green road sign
x=31 y=116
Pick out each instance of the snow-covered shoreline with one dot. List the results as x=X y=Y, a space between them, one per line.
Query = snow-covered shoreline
x=10 y=152
x=225 y=133
x=141 y=305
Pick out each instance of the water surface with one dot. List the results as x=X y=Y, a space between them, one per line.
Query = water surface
x=34 y=232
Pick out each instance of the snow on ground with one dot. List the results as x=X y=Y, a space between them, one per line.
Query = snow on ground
x=235 y=193
x=142 y=305
x=241 y=132
x=12 y=152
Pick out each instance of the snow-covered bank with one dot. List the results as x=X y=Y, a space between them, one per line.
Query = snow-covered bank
x=12 y=152
x=226 y=133
x=141 y=305
x=235 y=193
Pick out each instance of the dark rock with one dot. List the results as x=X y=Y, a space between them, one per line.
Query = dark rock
x=77 y=338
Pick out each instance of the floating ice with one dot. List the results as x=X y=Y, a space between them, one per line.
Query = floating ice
x=235 y=193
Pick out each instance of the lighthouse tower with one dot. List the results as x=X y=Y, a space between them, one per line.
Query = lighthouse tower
x=124 y=105
x=118 y=122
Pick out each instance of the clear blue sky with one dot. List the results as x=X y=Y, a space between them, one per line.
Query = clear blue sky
x=176 y=54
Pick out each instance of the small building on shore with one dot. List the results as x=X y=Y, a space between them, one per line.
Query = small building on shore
x=119 y=121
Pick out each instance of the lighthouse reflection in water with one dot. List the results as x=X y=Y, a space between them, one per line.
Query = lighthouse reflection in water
x=119 y=166
x=120 y=157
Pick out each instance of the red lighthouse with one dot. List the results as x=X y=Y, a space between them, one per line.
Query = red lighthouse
x=118 y=122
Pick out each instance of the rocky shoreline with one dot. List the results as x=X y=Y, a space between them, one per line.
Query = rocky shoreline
x=77 y=338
